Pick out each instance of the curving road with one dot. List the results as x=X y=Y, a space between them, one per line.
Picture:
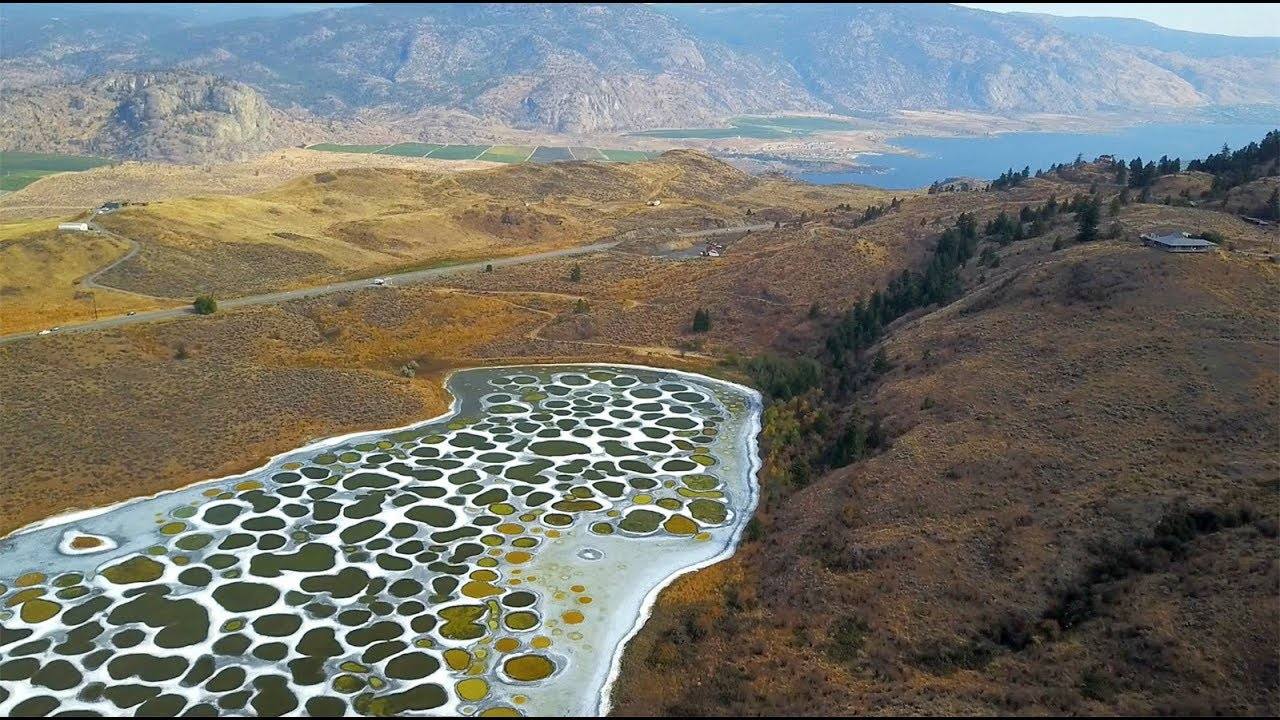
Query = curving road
x=405 y=278
x=91 y=280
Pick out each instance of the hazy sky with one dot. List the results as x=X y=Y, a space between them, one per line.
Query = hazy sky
x=1257 y=19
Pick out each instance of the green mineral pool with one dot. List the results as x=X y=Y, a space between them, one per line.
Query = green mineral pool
x=492 y=561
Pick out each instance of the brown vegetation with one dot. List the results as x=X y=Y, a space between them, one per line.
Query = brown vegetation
x=1066 y=504
x=1072 y=514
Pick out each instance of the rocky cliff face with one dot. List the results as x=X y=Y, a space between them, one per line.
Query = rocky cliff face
x=569 y=68
x=168 y=116
x=584 y=68
x=883 y=57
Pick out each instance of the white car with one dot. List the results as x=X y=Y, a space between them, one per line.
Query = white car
x=378 y=281
x=131 y=313
x=46 y=331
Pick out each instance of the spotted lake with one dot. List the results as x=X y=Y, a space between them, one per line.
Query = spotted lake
x=489 y=562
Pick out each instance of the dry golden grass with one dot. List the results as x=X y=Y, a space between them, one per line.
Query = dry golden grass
x=69 y=193
x=359 y=222
x=215 y=395
x=1040 y=427
x=1186 y=185
x=1043 y=428
x=40 y=270
x=1251 y=198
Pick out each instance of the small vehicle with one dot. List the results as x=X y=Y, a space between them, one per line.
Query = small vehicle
x=131 y=313
x=46 y=331
x=55 y=328
x=378 y=281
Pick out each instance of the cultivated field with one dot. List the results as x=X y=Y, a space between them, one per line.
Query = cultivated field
x=759 y=128
x=20 y=169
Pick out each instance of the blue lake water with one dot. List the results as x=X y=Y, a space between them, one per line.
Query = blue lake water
x=987 y=157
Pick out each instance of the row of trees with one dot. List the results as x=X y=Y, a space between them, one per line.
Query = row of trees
x=1233 y=168
x=1011 y=178
x=1031 y=222
x=812 y=423
x=874 y=211
x=939 y=282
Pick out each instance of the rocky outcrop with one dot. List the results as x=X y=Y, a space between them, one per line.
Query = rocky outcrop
x=177 y=116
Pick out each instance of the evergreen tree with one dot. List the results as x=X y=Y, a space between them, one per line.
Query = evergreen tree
x=1087 y=220
x=701 y=320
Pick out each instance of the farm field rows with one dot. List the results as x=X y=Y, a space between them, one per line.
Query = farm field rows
x=491 y=153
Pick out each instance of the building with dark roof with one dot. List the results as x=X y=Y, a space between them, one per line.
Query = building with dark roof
x=1178 y=242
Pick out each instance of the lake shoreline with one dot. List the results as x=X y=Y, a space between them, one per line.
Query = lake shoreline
x=736 y=446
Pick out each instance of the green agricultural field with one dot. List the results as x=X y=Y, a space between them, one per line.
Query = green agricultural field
x=20 y=169
x=587 y=153
x=545 y=154
x=757 y=127
x=507 y=153
x=626 y=156
x=332 y=147
x=409 y=149
x=799 y=124
x=458 y=152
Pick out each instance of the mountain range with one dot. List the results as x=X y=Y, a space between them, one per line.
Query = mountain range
x=582 y=69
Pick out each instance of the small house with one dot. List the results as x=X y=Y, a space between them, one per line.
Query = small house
x=73 y=227
x=1178 y=242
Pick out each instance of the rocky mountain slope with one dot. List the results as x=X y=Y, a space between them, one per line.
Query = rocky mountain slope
x=165 y=115
x=586 y=68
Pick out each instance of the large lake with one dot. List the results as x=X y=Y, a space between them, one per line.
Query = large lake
x=987 y=157
x=491 y=562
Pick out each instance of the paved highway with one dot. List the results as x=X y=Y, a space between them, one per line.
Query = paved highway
x=405 y=278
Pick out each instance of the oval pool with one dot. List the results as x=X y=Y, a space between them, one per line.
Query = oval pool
x=492 y=561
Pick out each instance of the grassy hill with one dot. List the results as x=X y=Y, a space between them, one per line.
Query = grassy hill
x=340 y=222
x=1069 y=510
x=1035 y=476
x=362 y=222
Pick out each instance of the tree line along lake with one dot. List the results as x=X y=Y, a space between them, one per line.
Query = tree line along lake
x=985 y=157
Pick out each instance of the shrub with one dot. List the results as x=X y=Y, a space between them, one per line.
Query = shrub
x=848 y=636
x=701 y=320
x=205 y=305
